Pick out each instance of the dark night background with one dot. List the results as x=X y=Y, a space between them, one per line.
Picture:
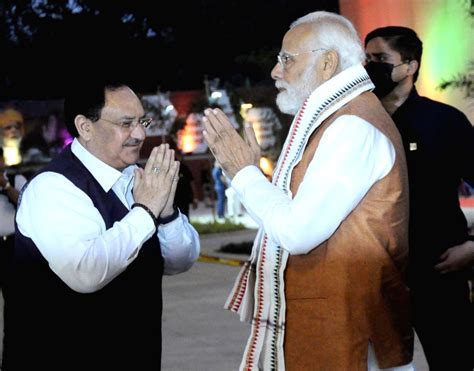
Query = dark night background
x=169 y=45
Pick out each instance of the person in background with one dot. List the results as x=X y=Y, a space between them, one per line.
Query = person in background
x=186 y=194
x=10 y=187
x=34 y=148
x=94 y=235
x=219 y=187
x=234 y=206
x=439 y=146
x=41 y=143
x=12 y=130
x=324 y=288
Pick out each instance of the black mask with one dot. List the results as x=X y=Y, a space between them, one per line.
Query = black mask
x=381 y=76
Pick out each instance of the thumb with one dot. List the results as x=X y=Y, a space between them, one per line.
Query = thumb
x=251 y=140
x=138 y=177
x=250 y=136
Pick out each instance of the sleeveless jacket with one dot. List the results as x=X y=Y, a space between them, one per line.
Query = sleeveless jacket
x=48 y=326
x=350 y=290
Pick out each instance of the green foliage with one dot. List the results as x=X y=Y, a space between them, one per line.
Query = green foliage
x=463 y=81
x=217 y=227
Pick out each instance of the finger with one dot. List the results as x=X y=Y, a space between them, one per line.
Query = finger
x=151 y=160
x=223 y=125
x=220 y=131
x=209 y=133
x=219 y=125
x=175 y=171
x=210 y=122
x=444 y=255
x=160 y=155
x=250 y=137
x=155 y=159
x=443 y=267
x=164 y=165
x=222 y=117
x=212 y=144
x=157 y=164
x=138 y=178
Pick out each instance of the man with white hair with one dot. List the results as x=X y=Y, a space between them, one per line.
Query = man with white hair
x=324 y=287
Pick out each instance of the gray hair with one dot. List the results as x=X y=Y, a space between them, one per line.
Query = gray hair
x=335 y=32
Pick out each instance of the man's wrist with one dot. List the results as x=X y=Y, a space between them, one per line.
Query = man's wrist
x=149 y=212
x=169 y=218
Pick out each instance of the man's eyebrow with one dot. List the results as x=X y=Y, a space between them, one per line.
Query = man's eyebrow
x=125 y=117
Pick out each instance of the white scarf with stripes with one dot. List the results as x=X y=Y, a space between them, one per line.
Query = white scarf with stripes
x=258 y=295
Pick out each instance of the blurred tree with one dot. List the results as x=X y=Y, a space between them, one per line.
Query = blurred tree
x=173 y=46
x=463 y=81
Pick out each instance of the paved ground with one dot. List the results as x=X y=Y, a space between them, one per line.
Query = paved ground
x=198 y=334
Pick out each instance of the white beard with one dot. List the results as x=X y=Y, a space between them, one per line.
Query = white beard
x=288 y=102
x=292 y=98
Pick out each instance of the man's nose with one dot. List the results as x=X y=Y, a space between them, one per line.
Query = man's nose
x=277 y=72
x=138 y=132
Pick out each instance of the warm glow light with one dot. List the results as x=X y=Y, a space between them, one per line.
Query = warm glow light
x=11 y=155
x=266 y=166
x=190 y=136
x=244 y=107
x=187 y=139
x=187 y=143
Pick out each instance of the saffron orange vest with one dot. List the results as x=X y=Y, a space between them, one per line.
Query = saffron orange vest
x=350 y=290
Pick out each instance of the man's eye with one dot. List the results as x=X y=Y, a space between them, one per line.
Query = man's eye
x=126 y=124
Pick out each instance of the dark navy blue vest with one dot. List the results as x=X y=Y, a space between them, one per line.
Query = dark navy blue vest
x=48 y=326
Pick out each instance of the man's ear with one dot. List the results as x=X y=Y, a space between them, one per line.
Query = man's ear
x=84 y=127
x=330 y=64
x=413 y=66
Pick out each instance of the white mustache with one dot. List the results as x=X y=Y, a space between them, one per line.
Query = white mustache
x=281 y=85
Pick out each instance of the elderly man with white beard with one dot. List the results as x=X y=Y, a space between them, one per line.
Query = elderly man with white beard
x=324 y=287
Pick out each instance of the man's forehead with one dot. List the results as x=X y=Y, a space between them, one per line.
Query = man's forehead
x=379 y=45
x=123 y=99
x=297 y=36
x=118 y=96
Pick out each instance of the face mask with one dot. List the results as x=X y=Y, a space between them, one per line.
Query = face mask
x=381 y=76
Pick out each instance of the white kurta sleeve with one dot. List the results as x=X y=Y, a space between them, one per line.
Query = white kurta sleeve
x=71 y=234
x=352 y=155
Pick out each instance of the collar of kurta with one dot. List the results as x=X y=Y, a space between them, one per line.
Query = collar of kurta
x=258 y=295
